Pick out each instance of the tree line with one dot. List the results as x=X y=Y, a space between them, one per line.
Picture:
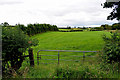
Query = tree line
x=32 y=29
x=115 y=26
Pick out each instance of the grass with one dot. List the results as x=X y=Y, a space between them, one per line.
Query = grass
x=70 y=40
x=82 y=41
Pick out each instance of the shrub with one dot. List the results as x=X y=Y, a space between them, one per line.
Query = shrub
x=14 y=43
x=111 y=50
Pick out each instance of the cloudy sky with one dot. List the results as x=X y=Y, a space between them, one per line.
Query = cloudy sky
x=57 y=12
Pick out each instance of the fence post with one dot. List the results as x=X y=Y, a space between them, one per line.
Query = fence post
x=37 y=59
x=31 y=57
x=83 y=57
x=58 y=57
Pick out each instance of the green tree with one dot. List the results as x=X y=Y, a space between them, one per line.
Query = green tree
x=22 y=27
x=116 y=26
x=14 y=43
x=115 y=14
x=5 y=24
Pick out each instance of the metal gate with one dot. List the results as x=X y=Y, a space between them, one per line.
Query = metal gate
x=39 y=56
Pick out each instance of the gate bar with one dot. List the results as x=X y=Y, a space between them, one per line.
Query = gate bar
x=62 y=51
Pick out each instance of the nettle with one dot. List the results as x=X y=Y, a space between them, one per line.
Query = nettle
x=111 y=50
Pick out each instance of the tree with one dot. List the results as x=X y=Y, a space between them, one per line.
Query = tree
x=98 y=28
x=14 y=43
x=116 y=26
x=115 y=14
x=22 y=27
x=5 y=24
x=68 y=27
x=84 y=27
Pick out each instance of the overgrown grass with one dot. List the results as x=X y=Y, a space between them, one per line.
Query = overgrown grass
x=88 y=69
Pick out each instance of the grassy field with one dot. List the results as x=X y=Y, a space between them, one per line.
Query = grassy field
x=70 y=40
x=82 y=41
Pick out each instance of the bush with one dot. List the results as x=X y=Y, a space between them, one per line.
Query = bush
x=111 y=50
x=14 y=43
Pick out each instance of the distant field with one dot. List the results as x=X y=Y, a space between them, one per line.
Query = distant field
x=77 y=29
x=65 y=29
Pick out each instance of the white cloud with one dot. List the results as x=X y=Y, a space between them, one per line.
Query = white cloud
x=10 y=2
x=58 y=12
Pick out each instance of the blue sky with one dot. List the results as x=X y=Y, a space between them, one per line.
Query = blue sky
x=57 y=12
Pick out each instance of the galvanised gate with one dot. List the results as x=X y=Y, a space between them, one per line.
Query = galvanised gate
x=39 y=56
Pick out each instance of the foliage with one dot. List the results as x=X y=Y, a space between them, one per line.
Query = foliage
x=116 y=26
x=68 y=27
x=5 y=24
x=111 y=49
x=33 y=29
x=109 y=27
x=106 y=27
x=22 y=27
x=112 y=69
x=98 y=28
x=14 y=43
x=72 y=70
x=85 y=72
x=116 y=10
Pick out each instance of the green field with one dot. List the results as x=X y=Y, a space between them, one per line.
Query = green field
x=70 y=41
x=81 y=41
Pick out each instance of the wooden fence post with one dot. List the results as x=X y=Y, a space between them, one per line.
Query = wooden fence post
x=31 y=57
x=37 y=59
